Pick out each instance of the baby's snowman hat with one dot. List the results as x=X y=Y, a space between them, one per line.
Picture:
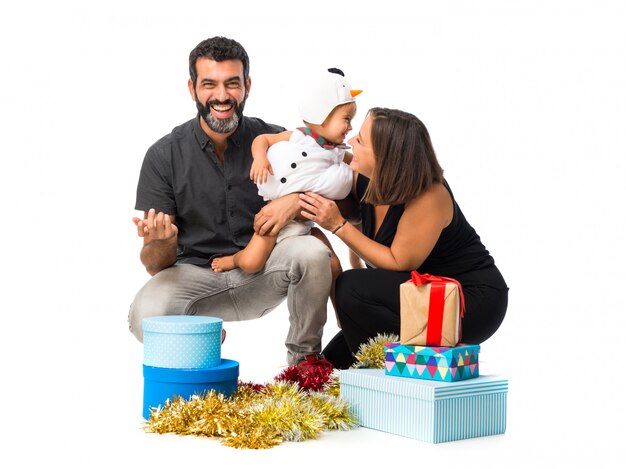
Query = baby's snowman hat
x=324 y=94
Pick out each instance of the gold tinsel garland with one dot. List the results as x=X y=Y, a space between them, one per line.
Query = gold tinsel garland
x=259 y=417
x=256 y=419
x=372 y=353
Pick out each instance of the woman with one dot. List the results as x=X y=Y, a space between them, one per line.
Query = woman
x=410 y=221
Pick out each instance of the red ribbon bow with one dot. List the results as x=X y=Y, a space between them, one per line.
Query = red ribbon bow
x=435 y=306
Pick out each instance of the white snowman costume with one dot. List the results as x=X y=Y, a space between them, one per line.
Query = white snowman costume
x=306 y=162
x=301 y=164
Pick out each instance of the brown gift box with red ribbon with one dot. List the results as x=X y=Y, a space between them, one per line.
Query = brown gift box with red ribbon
x=431 y=310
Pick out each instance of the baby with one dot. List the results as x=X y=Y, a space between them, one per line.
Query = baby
x=311 y=158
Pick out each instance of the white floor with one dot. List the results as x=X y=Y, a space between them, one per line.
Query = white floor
x=526 y=106
x=80 y=406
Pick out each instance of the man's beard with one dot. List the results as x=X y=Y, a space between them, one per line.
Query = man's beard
x=221 y=126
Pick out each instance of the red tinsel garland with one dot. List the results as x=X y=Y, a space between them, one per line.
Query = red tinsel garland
x=309 y=379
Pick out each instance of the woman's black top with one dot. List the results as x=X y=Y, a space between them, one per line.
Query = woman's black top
x=458 y=253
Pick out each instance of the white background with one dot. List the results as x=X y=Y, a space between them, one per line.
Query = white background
x=525 y=103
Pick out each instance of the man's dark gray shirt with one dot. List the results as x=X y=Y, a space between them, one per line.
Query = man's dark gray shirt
x=214 y=204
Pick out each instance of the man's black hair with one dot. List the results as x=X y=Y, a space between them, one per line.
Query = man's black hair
x=218 y=48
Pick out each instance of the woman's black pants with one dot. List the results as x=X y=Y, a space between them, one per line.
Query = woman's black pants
x=368 y=303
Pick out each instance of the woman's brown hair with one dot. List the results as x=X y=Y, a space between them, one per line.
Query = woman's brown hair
x=406 y=164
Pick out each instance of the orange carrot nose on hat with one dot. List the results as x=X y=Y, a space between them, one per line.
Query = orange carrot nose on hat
x=325 y=93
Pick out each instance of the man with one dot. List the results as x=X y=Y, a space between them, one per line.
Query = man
x=199 y=203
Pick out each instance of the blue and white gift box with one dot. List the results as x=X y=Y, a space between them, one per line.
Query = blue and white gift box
x=181 y=341
x=431 y=411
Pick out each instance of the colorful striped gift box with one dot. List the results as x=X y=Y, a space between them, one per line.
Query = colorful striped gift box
x=431 y=411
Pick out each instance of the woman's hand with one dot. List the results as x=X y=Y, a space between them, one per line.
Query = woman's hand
x=321 y=210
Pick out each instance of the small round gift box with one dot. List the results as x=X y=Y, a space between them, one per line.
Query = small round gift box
x=161 y=384
x=181 y=341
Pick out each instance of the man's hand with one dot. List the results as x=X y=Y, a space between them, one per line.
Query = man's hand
x=160 y=237
x=155 y=226
x=276 y=214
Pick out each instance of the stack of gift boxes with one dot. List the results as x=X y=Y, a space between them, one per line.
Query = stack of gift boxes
x=182 y=357
x=427 y=392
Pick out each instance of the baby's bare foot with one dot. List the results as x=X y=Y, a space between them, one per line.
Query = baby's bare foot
x=223 y=264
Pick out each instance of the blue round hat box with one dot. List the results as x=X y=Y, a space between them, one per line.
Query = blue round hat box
x=161 y=384
x=181 y=341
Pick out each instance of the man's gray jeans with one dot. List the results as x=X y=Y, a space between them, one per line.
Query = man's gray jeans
x=298 y=268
